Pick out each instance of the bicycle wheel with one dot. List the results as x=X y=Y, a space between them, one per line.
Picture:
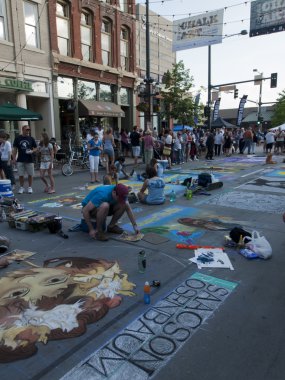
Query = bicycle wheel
x=67 y=169
x=87 y=163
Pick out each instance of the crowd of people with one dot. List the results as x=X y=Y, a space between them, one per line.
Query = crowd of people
x=157 y=151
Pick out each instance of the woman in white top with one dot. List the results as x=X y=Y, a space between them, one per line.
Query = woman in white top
x=168 y=145
x=47 y=155
x=5 y=157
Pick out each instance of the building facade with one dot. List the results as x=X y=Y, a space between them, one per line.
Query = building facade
x=25 y=70
x=93 y=64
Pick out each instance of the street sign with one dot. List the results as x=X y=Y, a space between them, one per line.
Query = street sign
x=227 y=88
x=257 y=80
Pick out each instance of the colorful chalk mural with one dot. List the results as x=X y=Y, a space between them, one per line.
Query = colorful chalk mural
x=249 y=201
x=167 y=222
x=56 y=301
x=268 y=184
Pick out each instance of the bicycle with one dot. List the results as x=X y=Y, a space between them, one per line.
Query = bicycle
x=76 y=157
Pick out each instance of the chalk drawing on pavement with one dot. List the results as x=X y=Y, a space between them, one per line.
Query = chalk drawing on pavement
x=148 y=343
x=249 y=201
x=267 y=184
x=56 y=301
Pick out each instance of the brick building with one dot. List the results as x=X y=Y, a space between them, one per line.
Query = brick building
x=93 y=60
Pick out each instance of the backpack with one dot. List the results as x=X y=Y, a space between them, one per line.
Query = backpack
x=204 y=179
x=236 y=233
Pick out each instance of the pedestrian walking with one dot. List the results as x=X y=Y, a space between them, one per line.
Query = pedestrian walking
x=148 y=141
x=23 y=148
x=109 y=145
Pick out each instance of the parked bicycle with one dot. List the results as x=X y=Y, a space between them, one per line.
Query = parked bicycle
x=77 y=157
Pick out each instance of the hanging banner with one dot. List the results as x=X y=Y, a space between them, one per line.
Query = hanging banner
x=267 y=16
x=241 y=109
x=201 y=30
x=216 y=109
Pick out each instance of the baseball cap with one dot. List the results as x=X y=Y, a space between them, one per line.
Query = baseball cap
x=122 y=193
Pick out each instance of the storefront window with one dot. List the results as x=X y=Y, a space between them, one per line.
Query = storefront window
x=65 y=88
x=86 y=90
x=106 y=93
x=124 y=45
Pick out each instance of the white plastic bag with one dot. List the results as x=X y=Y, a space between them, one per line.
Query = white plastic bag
x=259 y=245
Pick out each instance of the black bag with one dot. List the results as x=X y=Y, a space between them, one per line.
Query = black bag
x=237 y=232
x=204 y=179
x=187 y=181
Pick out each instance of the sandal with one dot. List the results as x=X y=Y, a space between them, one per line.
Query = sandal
x=46 y=190
x=51 y=191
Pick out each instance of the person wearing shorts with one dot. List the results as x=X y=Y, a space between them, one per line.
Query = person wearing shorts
x=95 y=148
x=23 y=148
x=109 y=144
x=46 y=151
x=135 y=142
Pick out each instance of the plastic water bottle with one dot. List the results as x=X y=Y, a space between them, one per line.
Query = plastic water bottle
x=146 y=290
x=172 y=196
x=135 y=175
x=142 y=261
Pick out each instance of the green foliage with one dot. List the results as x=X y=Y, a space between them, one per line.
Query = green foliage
x=177 y=100
x=279 y=111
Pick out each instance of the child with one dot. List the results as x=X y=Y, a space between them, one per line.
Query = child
x=112 y=177
x=120 y=167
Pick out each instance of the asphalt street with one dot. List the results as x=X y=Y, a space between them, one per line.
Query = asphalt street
x=201 y=324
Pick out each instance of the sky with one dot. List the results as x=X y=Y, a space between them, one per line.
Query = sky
x=234 y=59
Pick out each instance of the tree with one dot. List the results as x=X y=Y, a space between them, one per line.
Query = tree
x=177 y=99
x=279 y=111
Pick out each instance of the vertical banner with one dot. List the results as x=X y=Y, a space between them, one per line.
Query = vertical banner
x=241 y=109
x=197 y=100
x=216 y=109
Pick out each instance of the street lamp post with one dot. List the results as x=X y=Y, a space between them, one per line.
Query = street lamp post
x=260 y=95
x=242 y=33
x=148 y=80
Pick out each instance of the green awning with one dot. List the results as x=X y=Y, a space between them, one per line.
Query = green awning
x=11 y=112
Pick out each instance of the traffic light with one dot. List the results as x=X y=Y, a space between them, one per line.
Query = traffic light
x=259 y=120
x=273 y=80
x=236 y=93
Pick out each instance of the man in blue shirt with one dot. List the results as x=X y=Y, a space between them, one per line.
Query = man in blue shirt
x=103 y=201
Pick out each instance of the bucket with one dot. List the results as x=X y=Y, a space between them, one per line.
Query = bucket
x=55 y=225
x=5 y=188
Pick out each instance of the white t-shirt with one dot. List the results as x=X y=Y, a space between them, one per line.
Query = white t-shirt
x=270 y=138
x=5 y=150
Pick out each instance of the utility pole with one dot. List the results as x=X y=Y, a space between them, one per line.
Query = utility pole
x=149 y=80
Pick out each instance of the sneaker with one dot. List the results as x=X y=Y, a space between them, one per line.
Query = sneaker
x=115 y=229
x=101 y=236
x=30 y=190
x=21 y=190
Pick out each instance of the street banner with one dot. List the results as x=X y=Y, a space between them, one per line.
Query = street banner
x=201 y=30
x=267 y=16
x=241 y=109
x=216 y=109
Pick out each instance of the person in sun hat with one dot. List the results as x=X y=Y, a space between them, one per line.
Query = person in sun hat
x=103 y=201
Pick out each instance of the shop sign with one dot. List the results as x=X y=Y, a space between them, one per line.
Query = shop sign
x=15 y=84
